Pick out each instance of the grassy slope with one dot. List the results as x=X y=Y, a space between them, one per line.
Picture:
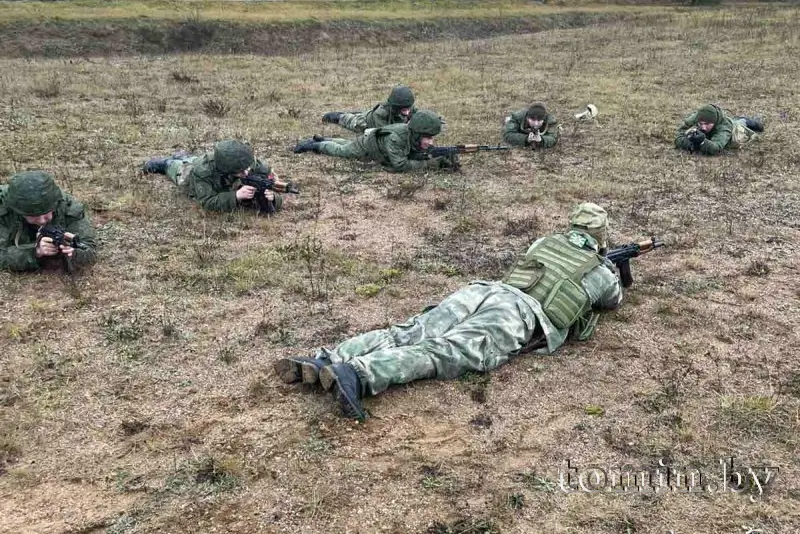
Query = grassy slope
x=139 y=396
x=293 y=11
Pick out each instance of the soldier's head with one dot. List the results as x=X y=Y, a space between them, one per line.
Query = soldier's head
x=232 y=157
x=591 y=219
x=34 y=195
x=707 y=117
x=401 y=99
x=424 y=126
x=536 y=115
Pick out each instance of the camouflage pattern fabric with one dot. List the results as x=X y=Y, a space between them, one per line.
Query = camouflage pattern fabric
x=477 y=328
x=18 y=238
x=377 y=117
x=727 y=132
x=516 y=130
x=391 y=146
x=198 y=177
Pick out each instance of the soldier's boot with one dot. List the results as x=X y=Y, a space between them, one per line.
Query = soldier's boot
x=320 y=138
x=332 y=117
x=309 y=145
x=155 y=166
x=756 y=123
x=307 y=370
x=345 y=386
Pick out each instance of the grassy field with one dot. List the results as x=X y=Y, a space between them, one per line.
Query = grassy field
x=138 y=397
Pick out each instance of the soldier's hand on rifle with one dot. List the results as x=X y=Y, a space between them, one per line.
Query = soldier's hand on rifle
x=246 y=192
x=66 y=249
x=46 y=247
x=269 y=195
x=534 y=138
x=696 y=137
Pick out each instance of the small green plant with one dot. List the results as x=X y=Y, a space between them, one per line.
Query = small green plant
x=515 y=501
x=216 y=107
x=368 y=290
x=594 y=409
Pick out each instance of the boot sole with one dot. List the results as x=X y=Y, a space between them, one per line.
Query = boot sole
x=288 y=371
x=327 y=378
x=351 y=409
x=309 y=373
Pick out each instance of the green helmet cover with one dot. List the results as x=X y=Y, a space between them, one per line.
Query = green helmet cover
x=401 y=97
x=708 y=113
x=426 y=123
x=33 y=193
x=232 y=156
x=592 y=219
x=537 y=111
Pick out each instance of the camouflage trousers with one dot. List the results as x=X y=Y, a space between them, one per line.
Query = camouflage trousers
x=477 y=328
x=355 y=121
x=345 y=148
x=179 y=169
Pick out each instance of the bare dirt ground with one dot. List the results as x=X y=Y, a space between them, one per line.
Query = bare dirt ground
x=139 y=396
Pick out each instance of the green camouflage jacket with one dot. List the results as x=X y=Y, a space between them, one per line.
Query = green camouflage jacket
x=18 y=238
x=381 y=115
x=716 y=140
x=213 y=190
x=392 y=146
x=516 y=130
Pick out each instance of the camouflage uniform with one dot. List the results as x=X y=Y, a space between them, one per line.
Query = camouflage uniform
x=396 y=147
x=209 y=180
x=381 y=115
x=34 y=193
x=481 y=326
x=516 y=128
x=728 y=131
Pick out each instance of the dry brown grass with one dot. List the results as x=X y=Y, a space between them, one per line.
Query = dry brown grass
x=139 y=397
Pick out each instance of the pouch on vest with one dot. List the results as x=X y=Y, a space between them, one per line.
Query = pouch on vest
x=525 y=274
x=565 y=303
x=584 y=327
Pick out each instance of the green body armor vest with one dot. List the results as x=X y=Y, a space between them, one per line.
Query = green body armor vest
x=551 y=272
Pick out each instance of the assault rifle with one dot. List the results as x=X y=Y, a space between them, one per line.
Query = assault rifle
x=439 y=151
x=621 y=257
x=264 y=182
x=56 y=233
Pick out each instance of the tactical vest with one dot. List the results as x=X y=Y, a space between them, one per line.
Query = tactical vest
x=551 y=272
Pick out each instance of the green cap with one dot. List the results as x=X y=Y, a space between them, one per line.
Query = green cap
x=708 y=113
x=401 y=97
x=537 y=111
x=592 y=219
x=232 y=156
x=33 y=193
x=426 y=123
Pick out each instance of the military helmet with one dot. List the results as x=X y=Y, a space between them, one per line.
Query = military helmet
x=592 y=219
x=537 y=111
x=401 y=97
x=708 y=113
x=232 y=156
x=33 y=193
x=425 y=122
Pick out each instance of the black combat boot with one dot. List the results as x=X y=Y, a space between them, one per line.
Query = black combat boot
x=332 y=117
x=309 y=145
x=155 y=166
x=756 y=123
x=296 y=369
x=345 y=386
